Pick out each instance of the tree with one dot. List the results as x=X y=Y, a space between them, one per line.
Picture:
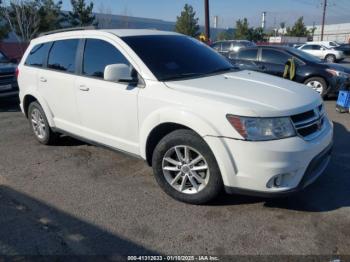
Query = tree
x=51 y=17
x=4 y=28
x=226 y=35
x=242 y=29
x=299 y=29
x=244 y=32
x=81 y=14
x=22 y=18
x=187 y=23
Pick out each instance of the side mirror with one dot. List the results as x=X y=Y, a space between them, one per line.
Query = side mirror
x=118 y=73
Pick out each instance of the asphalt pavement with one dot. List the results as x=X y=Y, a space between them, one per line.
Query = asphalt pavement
x=75 y=198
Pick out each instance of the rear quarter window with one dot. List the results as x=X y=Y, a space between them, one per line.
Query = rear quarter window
x=37 y=55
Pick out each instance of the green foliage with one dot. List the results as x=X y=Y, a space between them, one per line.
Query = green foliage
x=187 y=23
x=226 y=35
x=299 y=29
x=81 y=14
x=244 y=32
x=50 y=15
x=242 y=29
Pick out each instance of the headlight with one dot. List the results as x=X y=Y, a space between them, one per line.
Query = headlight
x=338 y=73
x=262 y=129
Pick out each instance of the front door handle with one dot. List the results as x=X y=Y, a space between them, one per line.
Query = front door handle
x=43 y=79
x=83 y=88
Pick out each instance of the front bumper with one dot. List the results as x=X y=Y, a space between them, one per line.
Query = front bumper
x=313 y=171
x=249 y=166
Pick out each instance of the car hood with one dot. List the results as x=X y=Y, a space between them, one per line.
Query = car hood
x=252 y=94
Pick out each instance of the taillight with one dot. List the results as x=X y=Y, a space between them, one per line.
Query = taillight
x=17 y=72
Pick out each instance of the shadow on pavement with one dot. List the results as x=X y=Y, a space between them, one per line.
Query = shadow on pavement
x=30 y=227
x=330 y=192
x=9 y=105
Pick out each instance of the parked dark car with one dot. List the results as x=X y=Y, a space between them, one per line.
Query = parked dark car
x=326 y=78
x=8 y=81
x=345 y=48
x=226 y=47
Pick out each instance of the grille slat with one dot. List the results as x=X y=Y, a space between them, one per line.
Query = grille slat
x=310 y=123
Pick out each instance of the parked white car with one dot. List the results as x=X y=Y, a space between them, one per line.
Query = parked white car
x=328 y=44
x=322 y=52
x=202 y=124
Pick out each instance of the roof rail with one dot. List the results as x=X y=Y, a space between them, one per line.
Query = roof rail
x=68 y=29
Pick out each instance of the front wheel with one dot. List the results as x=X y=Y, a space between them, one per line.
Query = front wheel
x=185 y=168
x=318 y=84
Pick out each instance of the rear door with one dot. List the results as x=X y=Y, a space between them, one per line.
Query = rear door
x=273 y=61
x=108 y=110
x=56 y=83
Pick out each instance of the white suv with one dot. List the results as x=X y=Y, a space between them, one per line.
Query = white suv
x=322 y=52
x=173 y=101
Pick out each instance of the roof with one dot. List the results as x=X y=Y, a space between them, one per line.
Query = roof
x=137 y=32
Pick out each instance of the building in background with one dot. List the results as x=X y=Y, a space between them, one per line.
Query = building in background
x=333 y=32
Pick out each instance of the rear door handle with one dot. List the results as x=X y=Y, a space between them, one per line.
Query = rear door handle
x=43 y=79
x=83 y=88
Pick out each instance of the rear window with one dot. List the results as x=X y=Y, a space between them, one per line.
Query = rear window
x=62 y=55
x=37 y=55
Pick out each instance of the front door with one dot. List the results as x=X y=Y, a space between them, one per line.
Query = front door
x=108 y=110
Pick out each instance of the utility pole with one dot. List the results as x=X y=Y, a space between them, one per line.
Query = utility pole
x=323 y=18
x=207 y=23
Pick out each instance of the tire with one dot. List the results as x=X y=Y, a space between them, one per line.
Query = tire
x=313 y=82
x=208 y=180
x=330 y=58
x=40 y=126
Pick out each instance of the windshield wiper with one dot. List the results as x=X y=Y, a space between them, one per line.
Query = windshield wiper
x=223 y=70
x=183 y=75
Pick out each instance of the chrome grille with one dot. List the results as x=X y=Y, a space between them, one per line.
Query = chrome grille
x=309 y=124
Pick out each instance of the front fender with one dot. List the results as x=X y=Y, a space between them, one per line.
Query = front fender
x=179 y=116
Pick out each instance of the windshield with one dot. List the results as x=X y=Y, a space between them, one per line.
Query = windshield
x=303 y=55
x=172 y=57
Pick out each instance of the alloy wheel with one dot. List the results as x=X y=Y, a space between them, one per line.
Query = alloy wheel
x=185 y=169
x=316 y=85
x=38 y=123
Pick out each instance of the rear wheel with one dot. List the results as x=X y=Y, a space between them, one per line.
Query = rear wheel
x=185 y=168
x=330 y=58
x=39 y=125
x=318 y=84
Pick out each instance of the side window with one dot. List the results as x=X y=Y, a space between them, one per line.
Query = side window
x=307 y=47
x=316 y=47
x=37 y=55
x=62 y=55
x=226 y=46
x=248 y=54
x=274 y=57
x=97 y=55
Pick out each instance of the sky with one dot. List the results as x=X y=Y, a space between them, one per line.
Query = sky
x=230 y=10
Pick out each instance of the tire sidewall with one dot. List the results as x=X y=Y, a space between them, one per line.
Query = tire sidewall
x=187 y=138
x=333 y=58
x=322 y=81
x=32 y=106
